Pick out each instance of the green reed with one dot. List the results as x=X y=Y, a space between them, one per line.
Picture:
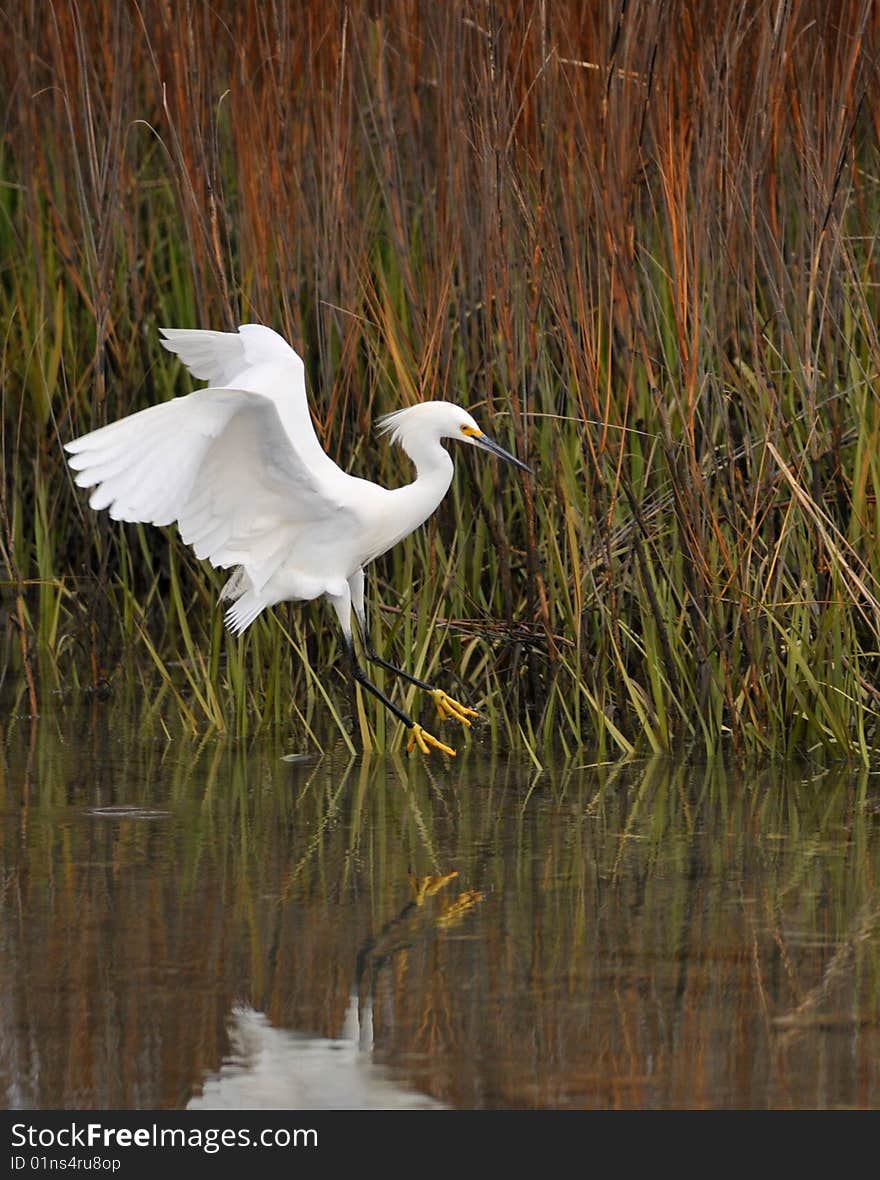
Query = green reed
x=638 y=241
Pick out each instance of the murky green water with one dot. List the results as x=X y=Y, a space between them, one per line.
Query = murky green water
x=214 y=926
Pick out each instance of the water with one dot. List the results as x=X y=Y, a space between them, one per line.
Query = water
x=211 y=925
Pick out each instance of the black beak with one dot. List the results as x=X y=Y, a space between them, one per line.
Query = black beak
x=489 y=444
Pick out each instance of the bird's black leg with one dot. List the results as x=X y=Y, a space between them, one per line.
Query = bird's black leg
x=374 y=658
x=361 y=677
x=351 y=597
x=418 y=736
x=446 y=705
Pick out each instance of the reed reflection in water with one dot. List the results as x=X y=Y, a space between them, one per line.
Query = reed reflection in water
x=179 y=919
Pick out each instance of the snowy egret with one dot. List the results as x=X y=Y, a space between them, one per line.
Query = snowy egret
x=240 y=469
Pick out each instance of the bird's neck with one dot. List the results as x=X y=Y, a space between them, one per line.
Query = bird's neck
x=434 y=469
x=410 y=506
x=432 y=461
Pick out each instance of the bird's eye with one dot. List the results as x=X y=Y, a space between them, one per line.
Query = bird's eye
x=469 y=431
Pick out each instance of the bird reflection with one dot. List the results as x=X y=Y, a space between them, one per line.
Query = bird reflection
x=424 y=915
x=270 y=1068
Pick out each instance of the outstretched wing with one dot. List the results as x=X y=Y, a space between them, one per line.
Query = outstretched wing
x=215 y=357
x=258 y=360
x=220 y=464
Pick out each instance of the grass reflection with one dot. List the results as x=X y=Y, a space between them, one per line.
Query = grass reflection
x=652 y=934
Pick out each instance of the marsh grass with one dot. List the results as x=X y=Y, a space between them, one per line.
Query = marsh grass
x=638 y=239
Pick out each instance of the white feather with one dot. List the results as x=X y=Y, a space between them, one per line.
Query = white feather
x=239 y=468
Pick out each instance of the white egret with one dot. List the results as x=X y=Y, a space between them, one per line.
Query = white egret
x=240 y=469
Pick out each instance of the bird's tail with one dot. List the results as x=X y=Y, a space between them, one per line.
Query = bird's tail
x=243 y=612
x=237 y=585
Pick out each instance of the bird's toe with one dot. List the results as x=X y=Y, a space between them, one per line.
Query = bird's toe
x=447 y=706
x=426 y=742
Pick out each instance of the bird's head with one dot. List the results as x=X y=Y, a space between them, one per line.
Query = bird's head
x=433 y=421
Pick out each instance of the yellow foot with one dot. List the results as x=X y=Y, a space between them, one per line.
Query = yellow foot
x=447 y=707
x=424 y=887
x=425 y=741
x=456 y=910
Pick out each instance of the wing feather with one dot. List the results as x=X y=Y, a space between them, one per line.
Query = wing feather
x=257 y=359
x=215 y=357
x=220 y=463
